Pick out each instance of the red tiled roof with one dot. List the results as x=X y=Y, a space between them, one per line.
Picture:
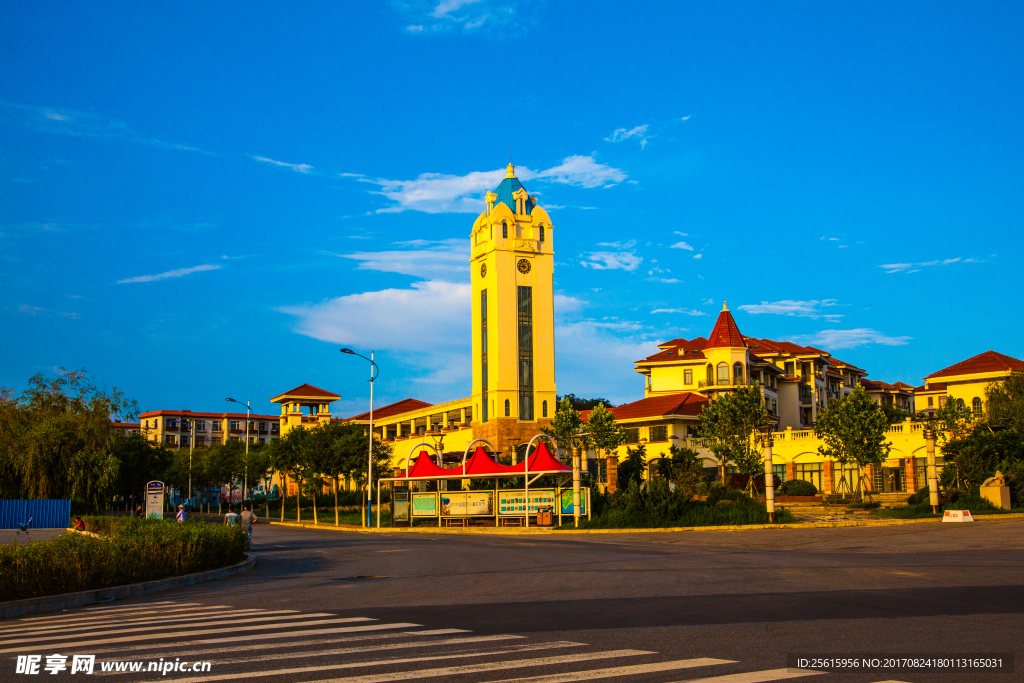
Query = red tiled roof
x=685 y=403
x=767 y=346
x=679 y=349
x=876 y=385
x=851 y=366
x=189 y=413
x=396 y=408
x=938 y=386
x=307 y=390
x=725 y=333
x=990 y=361
x=125 y=425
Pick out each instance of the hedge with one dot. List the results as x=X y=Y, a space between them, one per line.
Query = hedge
x=129 y=551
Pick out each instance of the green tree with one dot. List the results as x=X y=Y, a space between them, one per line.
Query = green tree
x=633 y=466
x=729 y=426
x=1005 y=404
x=566 y=424
x=893 y=414
x=853 y=429
x=684 y=468
x=605 y=435
x=581 y=404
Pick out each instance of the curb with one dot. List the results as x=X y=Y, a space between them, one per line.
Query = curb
x=65 y=601
x=660 y=530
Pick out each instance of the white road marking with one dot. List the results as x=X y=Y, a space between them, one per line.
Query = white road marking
x=395 y=646
x=179 y=634
x=426 y=673
x=89 y=631
x=103 y=617
x=91 y=611
x=635 y=670
x=362 y=648
x=757 y=676
x=163 y=623
x=125 y=608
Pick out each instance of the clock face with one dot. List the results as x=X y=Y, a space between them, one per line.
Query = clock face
x=483 y=270
x=523 y=266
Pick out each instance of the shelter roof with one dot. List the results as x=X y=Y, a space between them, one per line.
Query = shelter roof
x=990 y=361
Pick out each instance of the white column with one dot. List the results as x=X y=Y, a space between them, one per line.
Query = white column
x=769 y=479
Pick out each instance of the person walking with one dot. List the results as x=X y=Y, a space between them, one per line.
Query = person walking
x=231 y=517
x=248 y=519
x=181 y=513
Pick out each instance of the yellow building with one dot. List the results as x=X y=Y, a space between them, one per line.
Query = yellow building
x=304 y=405
x=965 y=382
x=169 y=427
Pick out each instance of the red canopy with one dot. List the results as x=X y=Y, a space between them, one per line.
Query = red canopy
x=480 y=464
x=541 y=461
x=424 y=467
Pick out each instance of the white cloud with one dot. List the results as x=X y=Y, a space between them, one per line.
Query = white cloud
x=414 y=29
x=608 y=260
x=681 y=234
x=687 y=117
x=501 y=17
x=698 y=256
x=446 y=7
x=618 y=245
x=681 y=311
x=179 y=272
x=621 y=134
x=915 y=267
x=848 y=339
x=681 y=245
x=445 y=260
x=803 y=309
x=300 y=168
x=444 y=193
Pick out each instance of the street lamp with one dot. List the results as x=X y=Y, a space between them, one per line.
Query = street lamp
x=369 y=465
x=768 y=440
x=248 y=412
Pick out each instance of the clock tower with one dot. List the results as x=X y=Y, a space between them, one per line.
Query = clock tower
x=512 y=268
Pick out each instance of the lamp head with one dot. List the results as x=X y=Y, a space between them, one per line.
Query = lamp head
x=348 y=351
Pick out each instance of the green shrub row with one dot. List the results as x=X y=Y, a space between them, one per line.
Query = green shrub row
x=129 y=551
x=655 y=504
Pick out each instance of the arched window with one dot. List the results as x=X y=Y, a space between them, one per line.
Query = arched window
x=504 y=230
x=542 y=233
x=976 y=404
x=960 y=404
x=737 y=373
x=508 y=408
x=711 y=374
x=544 y=409
x=723 y=373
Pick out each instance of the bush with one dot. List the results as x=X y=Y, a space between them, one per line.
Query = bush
x=130 y=551
x=922 y=496
x=797 y=487
x=656 y=505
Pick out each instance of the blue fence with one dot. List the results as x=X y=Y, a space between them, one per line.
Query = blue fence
x=45 y=514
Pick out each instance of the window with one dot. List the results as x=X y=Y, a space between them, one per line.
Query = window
x=233 y=425
x=525 y=320
x=542 y=233
x=483 y=352
x=779 y=471
x=723 y=373
x=659 y=433
x=976 y=405
x=633 y=435
x=930 y=401
x=810 y=471
x=737 y=373
x=171 y=424
x=504 y=231
x=200 y=425
x=711 y=374
x=216 y=425
x=508 y=408
x=169 y=439
x=687 y=376
x=960 y=404
x=544 y=409
x=942 y=401
x=790 y=369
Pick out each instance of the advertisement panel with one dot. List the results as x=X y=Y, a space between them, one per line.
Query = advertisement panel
x=565 y=495
x=515 y=502
x=155 y=500
x=400 y=504
x=467 y=503
x=424 y=505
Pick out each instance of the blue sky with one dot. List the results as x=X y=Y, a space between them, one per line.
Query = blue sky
x=207 y=200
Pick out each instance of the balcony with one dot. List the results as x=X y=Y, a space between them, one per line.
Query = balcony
x=747 y=382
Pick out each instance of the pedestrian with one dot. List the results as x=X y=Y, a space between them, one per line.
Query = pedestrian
x=248 y=519
x=79 y=524
x=231 y=518
x=181 y=513
x=138 y=512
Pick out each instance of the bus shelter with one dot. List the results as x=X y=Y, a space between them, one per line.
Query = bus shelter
x=503 y=505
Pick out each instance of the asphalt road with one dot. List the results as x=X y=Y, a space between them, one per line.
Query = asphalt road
x=718 y=606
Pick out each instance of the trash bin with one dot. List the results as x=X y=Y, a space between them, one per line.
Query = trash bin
x=544 y=516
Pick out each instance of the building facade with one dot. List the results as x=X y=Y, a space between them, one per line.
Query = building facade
x=211 y=429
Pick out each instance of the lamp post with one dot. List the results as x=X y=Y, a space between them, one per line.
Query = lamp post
x=369 y=463
x=191 y=444
x=769 y=475
x=933 y=483
x=248 y=412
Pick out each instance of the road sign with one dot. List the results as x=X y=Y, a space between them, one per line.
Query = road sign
x=155 y=500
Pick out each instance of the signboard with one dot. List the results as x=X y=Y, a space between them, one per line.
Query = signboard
x=467 y=503
x=424 y=505
x=400 y=504
x=155 y=500
x=565 y=496
x=515 y=502
x=957 y=516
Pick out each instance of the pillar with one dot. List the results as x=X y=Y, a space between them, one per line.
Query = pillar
x=910 y=485
x=613 y=473
x=790 y=471
x=826 y=477
x=933 y=480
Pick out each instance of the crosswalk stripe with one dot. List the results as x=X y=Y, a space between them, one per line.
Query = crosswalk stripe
x=454 y=641
x=250 y=636
x=173 y=620
x=109 y=608
x=611 y=672
x=362 y=648
x=43 y=622
x=757 y=676
x=89 y=632
x=91 y=611
x=173 y=647
x=426 y=673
